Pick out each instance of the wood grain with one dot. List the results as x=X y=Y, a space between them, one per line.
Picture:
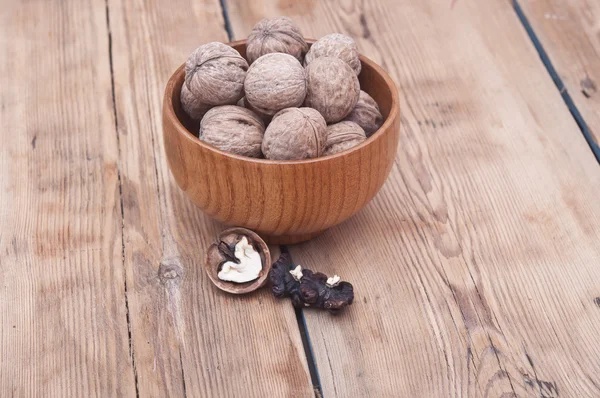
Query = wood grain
x=475 y=266
x=63 y=326
x=569 y=31
x=189 y=338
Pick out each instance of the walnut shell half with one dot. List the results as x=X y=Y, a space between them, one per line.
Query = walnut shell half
x=215 y=258
x=294 y=134
x=233 y=129
x=275 y=82
x=332 y=88
x=342 y=136
x=335 y=45
x=275 y=35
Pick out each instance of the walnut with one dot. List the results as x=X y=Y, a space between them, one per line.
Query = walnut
x=366 y=114
x=214 y=75
x=342 y=136
x=233 y=129
x=275 y=82
x=275 y=35
x=338 y=46
x=332 y=88
x=295 y=133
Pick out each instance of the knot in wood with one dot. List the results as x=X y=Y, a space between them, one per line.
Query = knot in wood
x=170 y=270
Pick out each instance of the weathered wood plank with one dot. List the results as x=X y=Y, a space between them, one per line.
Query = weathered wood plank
x=63 y=326
x=569 y=32
x=474 y=267
x=188 y=337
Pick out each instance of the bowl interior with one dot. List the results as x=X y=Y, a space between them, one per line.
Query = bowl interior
x=371 y=79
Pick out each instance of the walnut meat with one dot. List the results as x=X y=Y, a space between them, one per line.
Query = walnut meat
x=295 y=133
x=214 y=75
x=342 y=136
x=275 y=82
x=275 y=35
x=233 y=129
x=366 y=114
x=338 y=46
x=332 y=88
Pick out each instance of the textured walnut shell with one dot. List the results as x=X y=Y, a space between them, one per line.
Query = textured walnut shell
x=275 y=82
x=332 y=88
x=338 y=46
x=192 y=105
x=233 y=129
x=245 y=104
x=214 y=75
x=275 y=35
x=342 y=136
x=294 y=134
x=366 y=114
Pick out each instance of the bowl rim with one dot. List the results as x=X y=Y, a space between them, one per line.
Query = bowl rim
x=183 y=131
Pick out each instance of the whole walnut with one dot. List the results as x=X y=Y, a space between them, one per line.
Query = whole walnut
x=335 y=45
x=366 y=114
x=332 y=88
x=275 y=35
x=295 y=133
x=214 y=75
x=342 y=136
x=275 y=82
x=233 y=129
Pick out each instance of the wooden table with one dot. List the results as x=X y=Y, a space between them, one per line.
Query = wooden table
x=476 y=268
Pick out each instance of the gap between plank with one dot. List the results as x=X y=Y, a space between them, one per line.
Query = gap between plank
x=226 y=22
x=114 y=101
x=308 y=351
x=557 y=80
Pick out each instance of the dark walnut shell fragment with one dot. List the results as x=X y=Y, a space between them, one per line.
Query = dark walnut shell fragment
x=312 y=290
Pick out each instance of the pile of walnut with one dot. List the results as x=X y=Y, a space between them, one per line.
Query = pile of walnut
x=285 y=101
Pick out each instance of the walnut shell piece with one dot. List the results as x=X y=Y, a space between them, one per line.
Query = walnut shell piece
x=215 y=257
x=342 y=136
x=275 y=35
x=233 y=129
x=366 y=114
x=275 y=82
x=294 y=134
x=214 y=75
x=335 y=45
x=332 y=88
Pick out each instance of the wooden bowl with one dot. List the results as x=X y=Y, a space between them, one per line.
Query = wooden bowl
x=284 y=201
x=213 y=259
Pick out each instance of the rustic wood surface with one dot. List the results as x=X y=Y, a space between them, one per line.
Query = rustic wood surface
x=188 y=337
x=63 y=326
x=569 y=31
x=475 y=268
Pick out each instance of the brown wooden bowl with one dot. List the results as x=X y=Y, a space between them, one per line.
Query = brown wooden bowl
x=285 y=201
x=214 y=259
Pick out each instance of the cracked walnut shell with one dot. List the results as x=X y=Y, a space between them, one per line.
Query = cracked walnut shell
x=214 y=75
x=366 y=114
x=275 y=82
x=342 y=136
x=335 y=45
x=332 y=88
x=233 y=129
x=275 y=35
x=295 y=134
